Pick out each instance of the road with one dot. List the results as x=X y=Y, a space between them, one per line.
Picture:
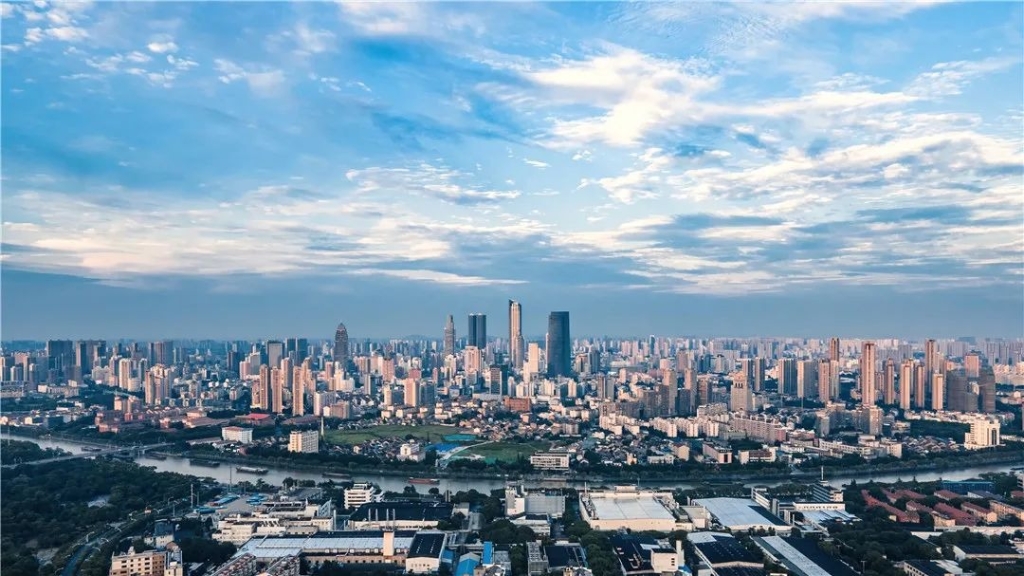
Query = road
x=90 y=544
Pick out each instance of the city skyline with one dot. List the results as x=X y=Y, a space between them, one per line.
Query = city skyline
x=757 y=168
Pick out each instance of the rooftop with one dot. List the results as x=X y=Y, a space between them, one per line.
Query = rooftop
x=629 y=507
x=718 y=548
x=738 y=512
x=408 y=511
x=802 y=557
x=426 y=545
x=360 y=540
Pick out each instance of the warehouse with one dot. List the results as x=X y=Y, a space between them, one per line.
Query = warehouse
x=741 y=515
x=627 y=507
x=399 y=515
x=363 y=547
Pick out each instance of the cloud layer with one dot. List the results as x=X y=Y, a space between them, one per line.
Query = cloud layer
x=682 y=150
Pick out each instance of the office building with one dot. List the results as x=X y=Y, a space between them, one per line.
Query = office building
x=449 y=337
x=984 y=433
x=476 y=334
x=275 y=352
x=833 y=349
x=361 y=493
x=148 y=563
x=787 y=376
x=341 y=348
x=559 y=351
x=515 y=334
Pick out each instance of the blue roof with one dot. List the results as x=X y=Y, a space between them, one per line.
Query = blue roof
x=466 y=566
x=488 y=556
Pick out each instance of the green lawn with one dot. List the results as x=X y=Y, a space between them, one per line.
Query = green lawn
x=504 y=451
x=431 y=433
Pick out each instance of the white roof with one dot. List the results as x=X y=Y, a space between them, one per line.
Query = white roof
x=279 y=546
x=738 y=512
x=630 y=508
x=794 y=558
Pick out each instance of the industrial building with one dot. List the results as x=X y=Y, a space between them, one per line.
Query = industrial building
x=399 y=515
x=720 y=554
x=519 y=500
x=351 y=547
x=802 y=557
x=424 y=555
x=628 y=507
x=741 y=515
x=645 y=556
x=277 y=518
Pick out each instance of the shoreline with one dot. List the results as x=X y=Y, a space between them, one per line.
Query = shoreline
x=653 y=477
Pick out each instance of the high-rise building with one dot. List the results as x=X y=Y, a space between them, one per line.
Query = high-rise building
x=449 y=337
x=907 y=374
x=930 y=361
x=297 y=349
x=261 y=389
x=275 y=352
x=920 y=382
x=754 y=370
x=787 y=376
x=987 y=390
x=277 y=386
x=825 y=380
x=341 y=346
x=559 y=345
x=833 y=349
x=868 y=387
x=806 y=378
x=412 y=392
x=889 y=382
x=298 y=391
x=740 y=397
x=972 y=365
x=515 y=334
x=476 y=335
x=938 y=391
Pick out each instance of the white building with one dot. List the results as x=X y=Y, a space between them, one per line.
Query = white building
x=236 y=434
x=411 y=451
x=307 y=441
x=984 y=433
x=550 y=460
x=360 y=494
x=628 y=507
x=286 y=518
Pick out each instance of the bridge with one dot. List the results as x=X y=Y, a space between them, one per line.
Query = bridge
x=97 y=450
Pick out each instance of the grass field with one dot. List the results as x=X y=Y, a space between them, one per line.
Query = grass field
x=429 y=433
x=503 y=451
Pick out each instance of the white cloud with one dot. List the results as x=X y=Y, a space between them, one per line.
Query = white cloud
x=262 y=82
x=536 y=163
x=165 y=47
x=434 y=277
x=7 y=9
x=949 y=78
x=426 y=180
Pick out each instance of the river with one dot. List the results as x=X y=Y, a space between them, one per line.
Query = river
x=226 y=473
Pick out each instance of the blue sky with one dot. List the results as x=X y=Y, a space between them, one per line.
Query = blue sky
x=263 y=169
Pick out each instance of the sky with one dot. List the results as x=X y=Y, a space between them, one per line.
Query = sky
x=235 y=169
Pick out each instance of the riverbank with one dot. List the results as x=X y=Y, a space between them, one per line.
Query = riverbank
x=902 y=468
x=485 y=480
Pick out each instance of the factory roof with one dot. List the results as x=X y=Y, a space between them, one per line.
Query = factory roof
x=363 y=540
x=562 y=555
x=630 y=508
x=738 y=512
x=402 y=511
x=426 y=545
x=803 y=557
x=719 y=548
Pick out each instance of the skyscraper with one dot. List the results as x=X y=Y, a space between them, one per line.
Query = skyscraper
x=559 y=345
x=515 y=334
x=476 y=334
x=787 y=376
x=908 y=372
x=868 y=389
x=341 y=346
x=833 y=349
x=449 y=337
x=275 y=352
x=930 y=357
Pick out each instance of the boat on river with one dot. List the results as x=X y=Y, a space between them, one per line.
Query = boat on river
x=430 y=481
x=204 y=463
x=251 y=470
